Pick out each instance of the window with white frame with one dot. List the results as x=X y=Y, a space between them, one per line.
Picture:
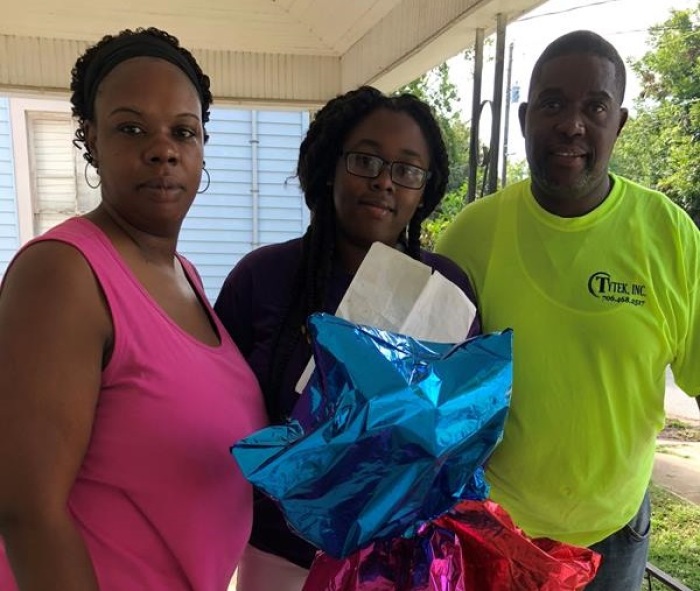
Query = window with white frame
x=57 y=168
x=49 y=169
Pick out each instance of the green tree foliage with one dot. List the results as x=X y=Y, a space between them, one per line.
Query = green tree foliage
x=517 y=171
x=455 y=200
x=451 y=204
x=437 y=89
x=660 y=146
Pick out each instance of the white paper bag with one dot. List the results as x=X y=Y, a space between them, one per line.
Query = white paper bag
x=394 y=292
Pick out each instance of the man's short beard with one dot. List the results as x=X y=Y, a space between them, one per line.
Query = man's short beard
x=553 y=189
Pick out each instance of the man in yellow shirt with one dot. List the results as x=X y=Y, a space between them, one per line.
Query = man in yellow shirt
x=598 y=277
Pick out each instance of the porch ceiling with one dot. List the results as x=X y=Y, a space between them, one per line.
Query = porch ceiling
x=297 y=52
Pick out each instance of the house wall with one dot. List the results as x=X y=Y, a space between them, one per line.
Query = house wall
x=253 y=198
x=9 y=233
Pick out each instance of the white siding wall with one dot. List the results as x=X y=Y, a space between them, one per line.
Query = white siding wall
x=9 y=234
x=254 y=198
x=281 y=201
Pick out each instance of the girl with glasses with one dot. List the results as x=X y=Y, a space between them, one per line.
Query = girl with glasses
x=372 y=168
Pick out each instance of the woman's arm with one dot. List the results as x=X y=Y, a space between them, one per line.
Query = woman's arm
x=54 y=329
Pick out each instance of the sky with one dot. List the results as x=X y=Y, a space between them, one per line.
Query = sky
x=622 y=22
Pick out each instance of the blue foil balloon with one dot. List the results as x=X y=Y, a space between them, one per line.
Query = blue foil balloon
x=390 y=433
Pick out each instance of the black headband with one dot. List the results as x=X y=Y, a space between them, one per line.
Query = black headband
x=121 y=49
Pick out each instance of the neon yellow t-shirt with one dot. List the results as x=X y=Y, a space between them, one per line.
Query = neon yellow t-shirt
x=600 y=305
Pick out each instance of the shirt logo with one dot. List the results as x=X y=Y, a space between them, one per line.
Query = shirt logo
x=601 y=285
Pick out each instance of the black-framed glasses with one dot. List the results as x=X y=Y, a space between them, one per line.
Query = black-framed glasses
x=371 y=166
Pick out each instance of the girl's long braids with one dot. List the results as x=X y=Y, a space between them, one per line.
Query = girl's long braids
x=318 y=156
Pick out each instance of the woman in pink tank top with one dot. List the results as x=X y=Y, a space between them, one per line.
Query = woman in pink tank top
x=120 y=391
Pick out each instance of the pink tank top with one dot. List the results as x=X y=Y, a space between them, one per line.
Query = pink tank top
x=159 y=500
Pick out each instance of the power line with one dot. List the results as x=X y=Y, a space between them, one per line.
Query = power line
x=566 y=10
x=591 y=5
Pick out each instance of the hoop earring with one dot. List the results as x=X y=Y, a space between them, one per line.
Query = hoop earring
x=87 y=180
x=206 y=187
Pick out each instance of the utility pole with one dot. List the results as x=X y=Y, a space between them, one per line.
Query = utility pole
x=497 y=104
x=504 y=172
x=476 y=114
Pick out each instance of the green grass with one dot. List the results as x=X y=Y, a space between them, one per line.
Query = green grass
x=680 y=431
x=675 y=424
x=671 y=450
x=675 y=537
x=689 y=425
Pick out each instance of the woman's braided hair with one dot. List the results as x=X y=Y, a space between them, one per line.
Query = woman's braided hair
x=82 y=112
x=318 y=156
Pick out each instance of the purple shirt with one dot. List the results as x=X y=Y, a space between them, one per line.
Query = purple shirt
x=252 y=304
